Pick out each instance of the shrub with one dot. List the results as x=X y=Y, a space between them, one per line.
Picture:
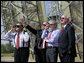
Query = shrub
x=7 y=48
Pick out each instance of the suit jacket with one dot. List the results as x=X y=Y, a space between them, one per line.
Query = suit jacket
x=38 y=39
x=67 y=41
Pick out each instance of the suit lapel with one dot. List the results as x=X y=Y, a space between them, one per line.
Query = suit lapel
x=64 y=30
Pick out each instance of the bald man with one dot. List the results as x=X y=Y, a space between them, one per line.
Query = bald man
x=67 y=50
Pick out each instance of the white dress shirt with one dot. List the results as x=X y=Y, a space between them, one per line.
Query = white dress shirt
x=65 y=25
x=22 y=36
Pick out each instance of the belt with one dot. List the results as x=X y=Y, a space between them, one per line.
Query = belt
x=51 y=47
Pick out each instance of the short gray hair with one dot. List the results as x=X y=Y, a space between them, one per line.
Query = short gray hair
x=53 y=22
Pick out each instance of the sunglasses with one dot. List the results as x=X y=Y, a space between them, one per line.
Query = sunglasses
x=44 y=25
x=18 y=26
x=51 y=24
x=63 y=18
x=14 y=26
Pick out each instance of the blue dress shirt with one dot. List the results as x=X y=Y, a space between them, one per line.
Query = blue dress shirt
x=53 y=41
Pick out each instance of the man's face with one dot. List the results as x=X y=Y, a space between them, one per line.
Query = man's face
x=52 y=25
x=43 y=26
x=18 y=27
x=47 y=26
x=63 y=19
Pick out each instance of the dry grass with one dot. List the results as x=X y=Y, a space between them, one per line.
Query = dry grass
x=6 y=57
x=9 y=58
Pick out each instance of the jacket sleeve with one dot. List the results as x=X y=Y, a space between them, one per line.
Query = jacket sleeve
x=31 y=29
x=71 y=37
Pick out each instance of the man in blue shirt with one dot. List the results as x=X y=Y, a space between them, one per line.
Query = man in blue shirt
x=52 y=43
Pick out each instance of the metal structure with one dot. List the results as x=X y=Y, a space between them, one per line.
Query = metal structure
x=12 y=11
x=31 y=12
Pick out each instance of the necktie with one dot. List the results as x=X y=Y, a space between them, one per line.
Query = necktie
x=48 y=38
x=41 y=43
x=17 y=45
x=62 y=29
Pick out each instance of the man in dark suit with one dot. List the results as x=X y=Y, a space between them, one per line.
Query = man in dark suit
x=39 y=53
x=67 y=50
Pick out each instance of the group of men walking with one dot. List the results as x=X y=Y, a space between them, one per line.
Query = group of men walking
x=50 y=42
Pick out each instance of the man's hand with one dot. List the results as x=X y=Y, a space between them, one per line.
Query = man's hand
x=47 y=26
x=46 y=38
x=13 y=28
x=22 y=21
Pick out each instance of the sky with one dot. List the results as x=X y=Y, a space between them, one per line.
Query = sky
x=2 y=34
x=47 y=3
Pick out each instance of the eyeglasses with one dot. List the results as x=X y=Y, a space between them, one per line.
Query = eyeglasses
x=63 y=18
x=44 y=25
x=51 y=24
x=14 y=26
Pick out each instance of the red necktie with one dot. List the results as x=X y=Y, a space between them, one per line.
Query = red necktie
x=42 y=44
x=62 y=29
x=48 y=38
x=17 y=45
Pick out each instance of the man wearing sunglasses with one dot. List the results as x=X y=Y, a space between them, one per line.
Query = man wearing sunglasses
x=20 y=42
x=67 y=50
x=39 y=53
x=45 y=28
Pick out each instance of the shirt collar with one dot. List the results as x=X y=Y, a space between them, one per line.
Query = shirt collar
x=65 y=25
x=53 y=30
x=19 y=32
